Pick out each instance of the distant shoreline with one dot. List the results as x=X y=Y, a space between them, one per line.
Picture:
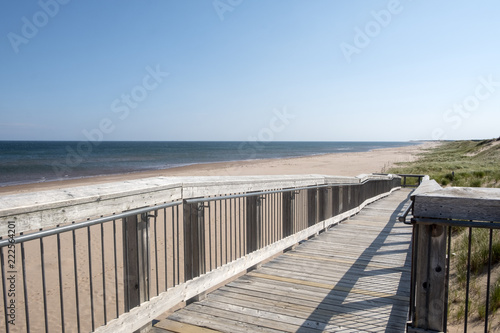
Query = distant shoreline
x=32 y=162
x=337 y=164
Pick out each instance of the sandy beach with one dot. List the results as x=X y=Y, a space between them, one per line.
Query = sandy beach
x=338 y=164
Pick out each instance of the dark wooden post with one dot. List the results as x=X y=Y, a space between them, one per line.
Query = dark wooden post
x=312 y=207
x=253 y=223
x=325 y=206
x=194 y=240
x=429 y=266
x=136 y=260
x=430 y=277
x=288 y=202
x=348 y=195
x=335 y=200
x=341 y=199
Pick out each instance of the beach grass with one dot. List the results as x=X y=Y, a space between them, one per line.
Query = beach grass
x=458 y=163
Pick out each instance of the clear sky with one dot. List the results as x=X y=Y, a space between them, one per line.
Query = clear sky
x=326 y=70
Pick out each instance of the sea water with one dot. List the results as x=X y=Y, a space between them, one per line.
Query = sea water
x=24 y=162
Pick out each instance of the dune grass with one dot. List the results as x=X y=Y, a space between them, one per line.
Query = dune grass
x=459 y=163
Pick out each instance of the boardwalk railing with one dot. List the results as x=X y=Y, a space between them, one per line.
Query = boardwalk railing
x=410 y=180
x=111 y=258
x=444 y=219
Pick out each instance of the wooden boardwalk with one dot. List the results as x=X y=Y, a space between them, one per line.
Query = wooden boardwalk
x=353 y=278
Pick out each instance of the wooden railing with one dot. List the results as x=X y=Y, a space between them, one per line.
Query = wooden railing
x=435 y=211
x=417 y=180
x=112 y=257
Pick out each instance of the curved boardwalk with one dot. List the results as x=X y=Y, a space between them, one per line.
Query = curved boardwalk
x=353 y=278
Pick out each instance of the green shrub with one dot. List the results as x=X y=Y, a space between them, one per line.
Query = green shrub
x=479 y=174
x=476 y=183
x=449 y=176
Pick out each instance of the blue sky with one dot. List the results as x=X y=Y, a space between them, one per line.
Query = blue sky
x=326 y=70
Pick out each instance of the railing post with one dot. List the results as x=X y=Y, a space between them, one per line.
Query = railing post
x=325 y=207
x=288 y=203
x=136 y=260
x=341 y=199
x=312 y=207
x=194 y=240
x=253 y=223
x=430 y=278
x=335 y=200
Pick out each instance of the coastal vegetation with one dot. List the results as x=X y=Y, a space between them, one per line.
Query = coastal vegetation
x=467 y=164
x=459 y=163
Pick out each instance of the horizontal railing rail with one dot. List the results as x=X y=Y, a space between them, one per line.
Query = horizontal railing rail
x=446 y=222
x=425 y=185
x=71 y=227
x=112 y=257
x=406 y=177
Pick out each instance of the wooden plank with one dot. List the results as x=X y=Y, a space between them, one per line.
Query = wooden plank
x=321 y=269
x=341 y=280
x=273 y=319
x=307 y=318
x=330 y=286
x=349 y=256
x=426 y=186
x=337 y=242
x=257 y=324
x=304 y=294
x=258 y=295
x=192 y=315
x=178 y=327
x=354 y=249
x=349 y=262
x=477 y=204
x=342 y=313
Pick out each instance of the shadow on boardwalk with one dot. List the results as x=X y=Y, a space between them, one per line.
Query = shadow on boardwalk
x=352 y=277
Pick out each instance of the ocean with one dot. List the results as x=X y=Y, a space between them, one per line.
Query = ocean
x=24 y=162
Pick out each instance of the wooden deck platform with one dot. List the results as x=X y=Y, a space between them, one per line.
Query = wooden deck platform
x=353 y=278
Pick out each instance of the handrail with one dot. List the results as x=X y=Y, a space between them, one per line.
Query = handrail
x=402 y=217
x=420 y=178
x=253 y=194
x=75 y=226
x=426 y=185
